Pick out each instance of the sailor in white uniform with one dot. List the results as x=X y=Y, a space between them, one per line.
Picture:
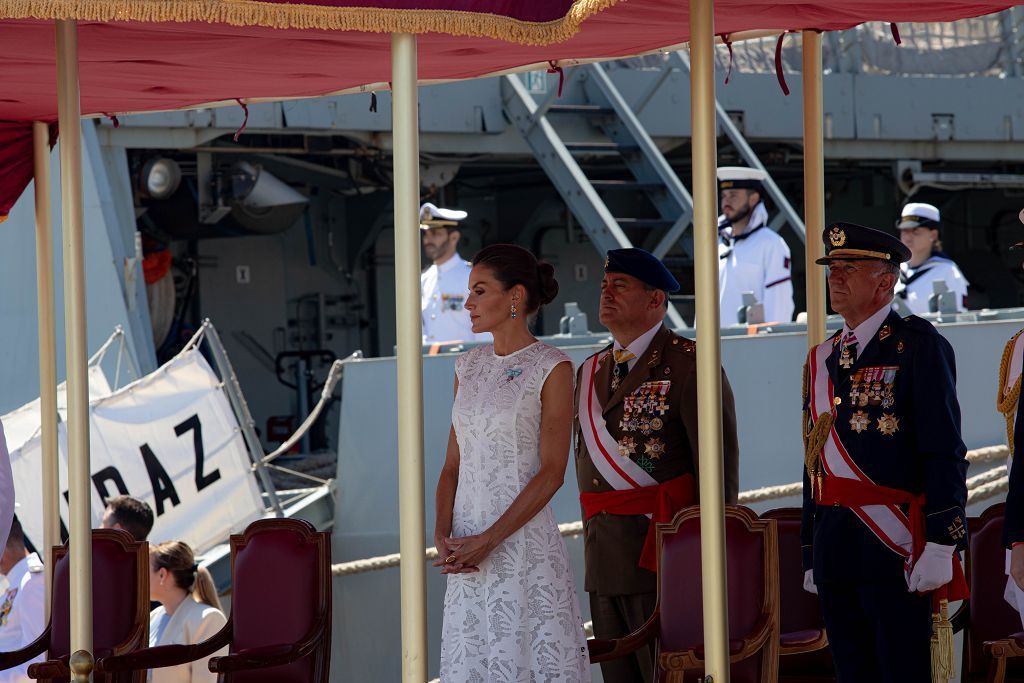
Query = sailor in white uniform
x=919 y=227
x=22 y=604
x=751 y=256
x=444 y=285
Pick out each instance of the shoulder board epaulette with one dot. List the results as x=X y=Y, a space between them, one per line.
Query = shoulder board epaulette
x=683 y=344
x=920 y=325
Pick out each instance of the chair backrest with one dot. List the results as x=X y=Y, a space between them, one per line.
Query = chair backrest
x=991 y=617
x=281 y=586
x=120 y=595
x=798 y=609
x=753 y=584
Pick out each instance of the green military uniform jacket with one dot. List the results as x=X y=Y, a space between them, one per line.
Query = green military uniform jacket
x=613 y=542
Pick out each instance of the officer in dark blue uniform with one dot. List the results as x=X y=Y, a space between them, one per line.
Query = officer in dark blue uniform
x=885 y=476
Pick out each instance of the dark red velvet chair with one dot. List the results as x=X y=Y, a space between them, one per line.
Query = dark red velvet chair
x=677 y=623
x=993 y=644
x=279 y=630
x=804 y=654
x=120 y=598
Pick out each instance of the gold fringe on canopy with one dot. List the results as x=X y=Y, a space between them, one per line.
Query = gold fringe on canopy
x=311 y=17
x=1006 y=400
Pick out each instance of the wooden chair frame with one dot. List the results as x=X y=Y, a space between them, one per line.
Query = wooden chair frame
x=998 y=650
x=792 y=647
x=57 y=669
x=253 y=658
x=765 y=632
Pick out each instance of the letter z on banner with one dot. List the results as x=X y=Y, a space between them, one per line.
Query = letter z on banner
x=170 y=439
x=887 y=522
x=620 y=472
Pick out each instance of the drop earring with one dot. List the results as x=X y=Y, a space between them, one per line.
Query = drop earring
x=513 y=309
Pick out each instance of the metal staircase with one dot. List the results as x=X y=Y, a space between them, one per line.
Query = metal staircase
x=624 y=137
x=605 y=115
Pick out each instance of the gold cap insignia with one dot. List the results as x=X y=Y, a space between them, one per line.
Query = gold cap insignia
x=836 y=236
x=605 y=261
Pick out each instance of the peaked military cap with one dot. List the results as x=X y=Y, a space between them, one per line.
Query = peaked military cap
x=435 y=217
x=741 y=177
x=918 y=215
x=643 y=265
x=852 y=242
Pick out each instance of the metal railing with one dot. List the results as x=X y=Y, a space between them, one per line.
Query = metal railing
x=984 y=46
x=992 y=45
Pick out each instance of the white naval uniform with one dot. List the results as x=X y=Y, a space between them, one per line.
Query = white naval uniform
x=915 y=284
x=756 y=261
x=22 y=614
x=443 y=291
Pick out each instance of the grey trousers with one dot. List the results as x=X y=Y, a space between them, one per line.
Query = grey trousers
x=616 y=616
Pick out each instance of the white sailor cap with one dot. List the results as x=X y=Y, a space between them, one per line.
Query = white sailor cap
x=435 y=217
x=741 y=177
x=918 y=215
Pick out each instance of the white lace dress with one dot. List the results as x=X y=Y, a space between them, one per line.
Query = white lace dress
x=518 y=619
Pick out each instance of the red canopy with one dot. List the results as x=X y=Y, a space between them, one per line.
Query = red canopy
x=150 y=55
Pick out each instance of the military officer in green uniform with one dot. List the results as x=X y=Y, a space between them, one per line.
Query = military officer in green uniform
x=636 y=448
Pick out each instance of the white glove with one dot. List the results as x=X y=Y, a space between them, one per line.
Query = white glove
x=933 y=569
x=809 y=582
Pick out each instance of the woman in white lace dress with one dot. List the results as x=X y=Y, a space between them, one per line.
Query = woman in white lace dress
x=510 y=612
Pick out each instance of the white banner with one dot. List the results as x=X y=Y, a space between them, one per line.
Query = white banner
x=170 y=439
x=21 y=424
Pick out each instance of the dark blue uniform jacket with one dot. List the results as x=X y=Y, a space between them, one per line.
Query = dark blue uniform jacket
x=924 y=454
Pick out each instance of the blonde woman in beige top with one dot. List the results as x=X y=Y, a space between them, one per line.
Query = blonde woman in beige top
x=189 y=611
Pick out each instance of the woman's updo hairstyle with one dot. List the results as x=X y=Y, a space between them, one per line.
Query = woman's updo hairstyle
x=512 y=265
x=178 y=559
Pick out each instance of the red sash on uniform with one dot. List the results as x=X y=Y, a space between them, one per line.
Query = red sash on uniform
x=661 y=502
x=855 y=493
x=846 y=485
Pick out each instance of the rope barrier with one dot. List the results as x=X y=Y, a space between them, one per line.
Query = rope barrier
x=980 y=487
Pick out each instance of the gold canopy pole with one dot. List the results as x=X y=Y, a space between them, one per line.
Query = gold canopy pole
x=410 y=359
x=47 y=346
x=814 y=187
x=709 y=353
x=70 y=124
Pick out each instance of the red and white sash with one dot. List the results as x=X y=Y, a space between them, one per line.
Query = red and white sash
x=1013 y=594
x=887 y=522
x=620 y=472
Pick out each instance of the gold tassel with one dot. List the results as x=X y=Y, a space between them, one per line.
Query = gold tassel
x=943 y=666
x=1006 y=400
x=814 y=442
x=310 y=16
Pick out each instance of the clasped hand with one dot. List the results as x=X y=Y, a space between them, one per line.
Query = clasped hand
x=462 y=555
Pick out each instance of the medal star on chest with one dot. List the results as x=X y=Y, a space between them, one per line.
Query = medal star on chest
x=654 y=448
x=888 y=424
x=859 y=421
x=627 y=446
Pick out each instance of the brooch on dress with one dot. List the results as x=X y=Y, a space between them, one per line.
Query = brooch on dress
x=512 y=373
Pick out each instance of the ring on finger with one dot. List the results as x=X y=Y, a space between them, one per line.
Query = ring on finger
x=449 y=559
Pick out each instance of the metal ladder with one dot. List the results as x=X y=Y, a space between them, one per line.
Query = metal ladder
x=651 y=174
x=624 y=136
